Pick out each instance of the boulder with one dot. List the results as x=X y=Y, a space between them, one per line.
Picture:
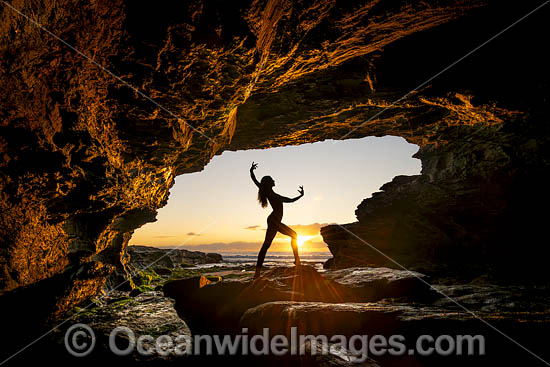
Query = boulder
x=198 y=300
x=149 y=313
x=366 y=284
x=158 y=258
x=217 y=306
x=500 y=331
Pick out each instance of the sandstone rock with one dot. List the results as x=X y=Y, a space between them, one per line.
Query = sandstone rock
x=466 y=215
x=198 y=300
x=409 y=321
x=336 y=357
x=85 y=160
x=370 y=284
x=526 y=302
x=318 y=318
x=148 y=313
x=162 y=261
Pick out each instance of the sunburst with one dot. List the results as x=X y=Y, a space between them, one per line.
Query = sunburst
x=302 y=239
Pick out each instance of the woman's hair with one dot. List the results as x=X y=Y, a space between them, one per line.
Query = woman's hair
x=263 y=190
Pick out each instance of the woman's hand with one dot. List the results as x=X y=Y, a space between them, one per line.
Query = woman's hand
x=254 y=166
x=301 y=191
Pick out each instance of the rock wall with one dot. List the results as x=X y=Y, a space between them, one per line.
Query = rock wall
x=471 y=212
x=86 y=159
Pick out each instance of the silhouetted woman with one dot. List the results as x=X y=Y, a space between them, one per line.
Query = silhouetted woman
x=274 y=224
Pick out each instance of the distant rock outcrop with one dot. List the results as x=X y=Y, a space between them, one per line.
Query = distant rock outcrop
x=160 y=260
x=154 y=257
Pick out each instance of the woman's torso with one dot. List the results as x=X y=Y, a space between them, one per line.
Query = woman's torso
x=277 y=206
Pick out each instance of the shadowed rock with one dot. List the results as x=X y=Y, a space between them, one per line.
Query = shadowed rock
x=408 y=321
x=146 y=314
x=208 y=306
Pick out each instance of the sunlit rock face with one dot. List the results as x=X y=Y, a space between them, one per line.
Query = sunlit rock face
x=86 y=159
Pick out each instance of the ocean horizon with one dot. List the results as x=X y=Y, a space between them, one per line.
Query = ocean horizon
x=271 y=259
x=274 y=256
x=317 y=259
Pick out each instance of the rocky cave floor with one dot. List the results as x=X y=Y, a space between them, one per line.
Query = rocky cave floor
x=223 y=299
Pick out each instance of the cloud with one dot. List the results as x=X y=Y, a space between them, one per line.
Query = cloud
x=193 y=234
x=277 y=246
x=257 y=226
x=302 y=229
x=162 y=236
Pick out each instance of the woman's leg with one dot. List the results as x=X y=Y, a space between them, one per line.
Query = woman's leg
x=269 y=235
x=284 y=229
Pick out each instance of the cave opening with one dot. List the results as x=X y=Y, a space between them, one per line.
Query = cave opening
x=216 y=210
x=86 y=161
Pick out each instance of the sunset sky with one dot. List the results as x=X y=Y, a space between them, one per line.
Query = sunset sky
x=217 y=210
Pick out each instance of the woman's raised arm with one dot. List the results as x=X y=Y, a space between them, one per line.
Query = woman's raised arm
x=252 y=175
x=284 y=199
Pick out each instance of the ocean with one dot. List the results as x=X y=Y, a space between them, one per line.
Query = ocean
x=273 y=258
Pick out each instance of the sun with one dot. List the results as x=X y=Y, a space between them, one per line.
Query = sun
x=302 y=239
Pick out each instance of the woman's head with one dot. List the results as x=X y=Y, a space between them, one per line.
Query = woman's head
x=266 y=183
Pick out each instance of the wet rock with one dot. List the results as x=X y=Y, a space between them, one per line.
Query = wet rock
x=149 y=313
x=372 y=318
x=335 y=356
x=526 y=302
x=318 y=318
